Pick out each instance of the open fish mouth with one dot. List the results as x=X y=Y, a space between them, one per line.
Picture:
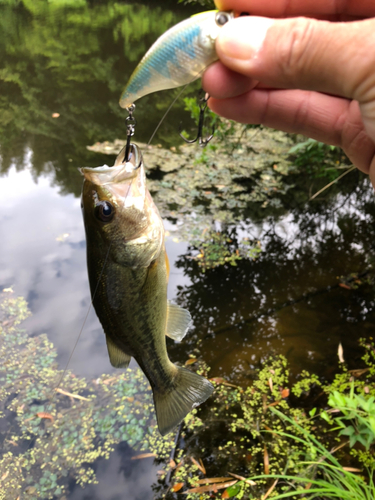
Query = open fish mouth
x=121 y=170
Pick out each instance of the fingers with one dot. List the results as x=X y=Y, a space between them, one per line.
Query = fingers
x=325 y=118
x=223 y=82
x=334 y=58
x=301 y=53
x=288 y=8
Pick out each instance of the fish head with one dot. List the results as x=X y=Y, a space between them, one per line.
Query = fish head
x=119 y=213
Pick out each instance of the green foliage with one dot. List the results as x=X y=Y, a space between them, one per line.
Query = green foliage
x=360 y=411
x=204 y=3
x=219 y=248
x=254 y=429
x=61 y=434
x=321 y=160
x=323 y=476
x=72 y=58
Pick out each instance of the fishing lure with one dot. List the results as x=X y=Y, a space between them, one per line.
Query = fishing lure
x=178 y=57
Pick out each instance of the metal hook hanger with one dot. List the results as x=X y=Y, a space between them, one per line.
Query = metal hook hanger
x=130 y=128
x=202 y=109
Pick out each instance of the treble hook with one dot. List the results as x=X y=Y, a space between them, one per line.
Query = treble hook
x=131 y=123
x=202 y=109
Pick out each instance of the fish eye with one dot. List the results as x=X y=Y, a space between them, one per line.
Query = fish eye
x=104 y=211
x=222 y=18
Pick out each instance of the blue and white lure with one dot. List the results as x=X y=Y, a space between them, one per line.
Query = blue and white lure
x=178 y=57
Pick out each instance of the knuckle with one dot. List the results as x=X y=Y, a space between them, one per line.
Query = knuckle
x=294 y=48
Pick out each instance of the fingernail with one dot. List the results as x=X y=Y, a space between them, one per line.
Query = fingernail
x=243 y=37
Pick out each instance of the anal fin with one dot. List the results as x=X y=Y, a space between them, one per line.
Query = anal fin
x=117 y=357
x=178 y=321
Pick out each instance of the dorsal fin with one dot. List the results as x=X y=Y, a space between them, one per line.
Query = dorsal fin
x=117 y=357
x=178 y=321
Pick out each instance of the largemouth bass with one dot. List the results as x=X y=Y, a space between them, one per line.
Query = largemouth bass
x=128 y=272
x=178 y=57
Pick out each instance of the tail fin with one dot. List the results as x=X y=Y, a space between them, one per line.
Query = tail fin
x=190 y=391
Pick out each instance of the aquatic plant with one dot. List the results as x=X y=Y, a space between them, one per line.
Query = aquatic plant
x=245 y=442
x=56 y=429
x=323 y=475
x=266 y=442
x=216 y=248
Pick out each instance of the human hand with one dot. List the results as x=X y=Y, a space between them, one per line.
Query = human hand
x=310 y=75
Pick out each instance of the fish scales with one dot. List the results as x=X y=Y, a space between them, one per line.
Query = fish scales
x=177 y=58
x=128 y=274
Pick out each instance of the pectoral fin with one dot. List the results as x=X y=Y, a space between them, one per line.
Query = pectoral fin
x=117 y=357
x=178 y=321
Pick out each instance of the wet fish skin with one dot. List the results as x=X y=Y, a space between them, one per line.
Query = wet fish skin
x=178 y=57
x=128 y=274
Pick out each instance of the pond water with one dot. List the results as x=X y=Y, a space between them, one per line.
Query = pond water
x=73 y=58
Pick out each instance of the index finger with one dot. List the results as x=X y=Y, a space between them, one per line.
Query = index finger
x=312 y=8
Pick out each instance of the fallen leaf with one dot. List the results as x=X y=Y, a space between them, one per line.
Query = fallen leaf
x=340 y=353
x=270 y=383
x=343 y=285
x=190 y=361
x=285 y=393
x=266 y=461
x=55 y=115
x=43 y=414
x=220 y=380
x=203 y=489
x=5 y=475
x=352 y=469
x=359 y=371
x=8 y=290
x=177 y=487
x=212 y=480
x=264 y=399
x=270 y=490
x=248 y=481
x=109 y=380
x=172 y=464
x=225 y=494
x=202 y=469
x=76 y=396
x=144 y=455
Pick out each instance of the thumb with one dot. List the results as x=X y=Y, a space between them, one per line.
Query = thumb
x=304 y=53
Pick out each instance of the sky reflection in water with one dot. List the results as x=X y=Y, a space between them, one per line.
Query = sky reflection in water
x=241 y=313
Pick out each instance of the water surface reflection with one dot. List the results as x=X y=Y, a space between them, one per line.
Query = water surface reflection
x=74 y=60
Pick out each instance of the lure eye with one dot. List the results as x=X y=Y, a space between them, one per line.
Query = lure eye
x=222 y=18
x=104 y=211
